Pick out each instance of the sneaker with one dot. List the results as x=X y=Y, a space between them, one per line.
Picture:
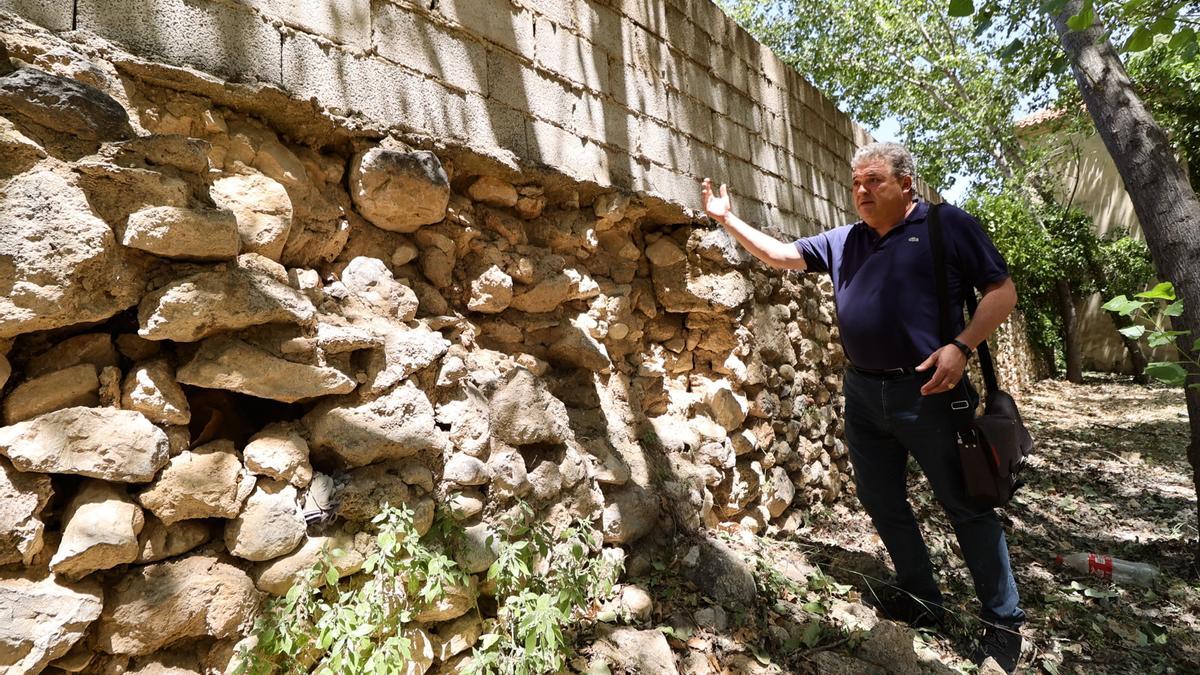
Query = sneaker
x=906 y=608
x=1003 y=645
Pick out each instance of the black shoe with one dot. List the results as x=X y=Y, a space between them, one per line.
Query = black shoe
x=909 y=609
x=1003 y=645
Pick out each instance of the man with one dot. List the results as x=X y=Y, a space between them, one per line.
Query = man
x=903 y=381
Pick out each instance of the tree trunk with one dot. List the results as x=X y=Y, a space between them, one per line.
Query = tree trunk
x=1162 y=198
x=1136 y=355
x=1070 y=322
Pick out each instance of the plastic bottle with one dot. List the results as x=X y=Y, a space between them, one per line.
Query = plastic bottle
x=1107 y=567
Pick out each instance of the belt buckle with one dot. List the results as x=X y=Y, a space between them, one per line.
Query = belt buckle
x=895 y=372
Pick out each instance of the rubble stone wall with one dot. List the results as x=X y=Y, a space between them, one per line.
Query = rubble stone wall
x=644 y=96
x=234 y=323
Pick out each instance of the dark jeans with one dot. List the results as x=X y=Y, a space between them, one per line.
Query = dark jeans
x=886 y=420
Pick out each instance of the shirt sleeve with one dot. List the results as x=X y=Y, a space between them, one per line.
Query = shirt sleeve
x=980 y=263
x=817 y=252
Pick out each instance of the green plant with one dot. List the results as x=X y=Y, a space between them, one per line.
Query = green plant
x=545 y=583
x=358 y=625
x=1153 y=329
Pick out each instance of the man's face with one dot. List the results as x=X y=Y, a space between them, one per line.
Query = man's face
x=880 y=198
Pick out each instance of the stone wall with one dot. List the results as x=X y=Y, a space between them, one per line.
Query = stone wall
x=649 y=96
x=234 y=324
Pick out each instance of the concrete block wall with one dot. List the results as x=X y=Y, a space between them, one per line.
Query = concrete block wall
x=646 y=95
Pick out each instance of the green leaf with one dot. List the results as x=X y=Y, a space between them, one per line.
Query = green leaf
x=1053 y=6
x=983 y=23
x=1181 y=38
x=1163 y=25
x=1167 y=372
x=1174 y=309
x=814 y=608
x=1164 y=337
x=962 y=7
x=1084 y=19
x=1139 y=41
x=1010 y=50
x=1163 y=291
x=812 y=634
x=1196 y=345
x=331 y=576
x=1133 y=332
x=1123 y=305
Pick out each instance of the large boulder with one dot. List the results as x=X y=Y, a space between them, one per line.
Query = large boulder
x=524 y=412
x=62 y=264
x=208 y=482
x=396 y=425
x=22 y=498
x=225 y=362
x=151 y=389
x=64 y=105
x=114 y=445
x=182 y=233
x=43 y=619
x=78 y=385
x=269 y=525
x=372 y=283
x=399 y=191
x=101 y=531
x=279 y=452
x=159 y=604
x=249 y=293
x=94 y=348
x=635 y=651
x=404 y=352
x=262 y=208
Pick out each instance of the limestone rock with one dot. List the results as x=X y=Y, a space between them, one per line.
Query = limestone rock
x=115 y=445
x=151 y=389
x=372 y=282
x=393 y=426
x=637 y=651
x=725 y=577
x=458 y=635
x=665 y=252
x=769 y=325
x=405 y=351
x=22 y=498
x=270 y=524
x=465 y=470
x=158 y=541
x=546 y=295
x=63 y=265
x=509 y=477
x=184 y=234
x=189 y=155
x=225 y=362
x=465 y=504
x=480 y=548
x=42 y=619
x=262 y=208
x=729 y=409
x=208 y=482
x=545 y=481
x=64 y=105
x=491 y=291
x=280 y=452
x=629 y=513
x=94 y=348
x=399 y=191
x=493 y=192
x=523 y=412
x=636 y=603
x=239 y=296
x=368 y=488
x=455 y=600
x=101 y=531
x=156 y=605
x=683 y=287
x=577 y=348
x=778 y=492
x=5 y=371
x=74 y=386
x=279 y=575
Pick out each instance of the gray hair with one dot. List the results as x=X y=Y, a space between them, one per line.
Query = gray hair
x=894 y=154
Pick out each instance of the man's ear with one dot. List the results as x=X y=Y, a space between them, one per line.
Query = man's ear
x=906 y=183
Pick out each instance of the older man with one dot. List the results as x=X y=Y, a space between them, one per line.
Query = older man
x=903 y=381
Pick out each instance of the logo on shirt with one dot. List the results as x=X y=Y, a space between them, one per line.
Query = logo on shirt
x=913 y=239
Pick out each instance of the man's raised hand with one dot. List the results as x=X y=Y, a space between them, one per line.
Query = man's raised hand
x=717 y=208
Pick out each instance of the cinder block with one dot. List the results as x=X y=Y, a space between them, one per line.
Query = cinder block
x=601 y=26
x=649 y=15
x=565 y=151
x=476 y=122
x=639 y=92
x=563 y=52
x=51 y=14
x=411 y=39
x=565 y=13
x=743 y=110
x=689 y=116
x=731 y=137
x=663 y=145
x=498 y=21
x=644 y=50
x=377 y=89
x=521 y=87
x=707 y=161
x=220 y=38
x=345 y=22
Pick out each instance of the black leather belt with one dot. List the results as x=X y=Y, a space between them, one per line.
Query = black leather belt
x=884 y=373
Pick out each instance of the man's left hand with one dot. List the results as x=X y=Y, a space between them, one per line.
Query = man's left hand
x=950 y=363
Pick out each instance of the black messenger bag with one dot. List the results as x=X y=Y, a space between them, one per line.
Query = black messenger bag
x=993 y=446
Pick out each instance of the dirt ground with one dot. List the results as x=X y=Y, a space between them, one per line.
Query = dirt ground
x=1109 y=475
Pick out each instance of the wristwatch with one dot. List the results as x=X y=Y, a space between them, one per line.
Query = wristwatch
x=962 y=347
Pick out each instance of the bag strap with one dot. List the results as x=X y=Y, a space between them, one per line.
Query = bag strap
x=939 y=266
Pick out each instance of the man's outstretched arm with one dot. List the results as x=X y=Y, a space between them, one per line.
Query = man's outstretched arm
x=766 y=248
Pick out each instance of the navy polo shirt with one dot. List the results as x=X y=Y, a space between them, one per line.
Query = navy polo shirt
x=885 y=289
